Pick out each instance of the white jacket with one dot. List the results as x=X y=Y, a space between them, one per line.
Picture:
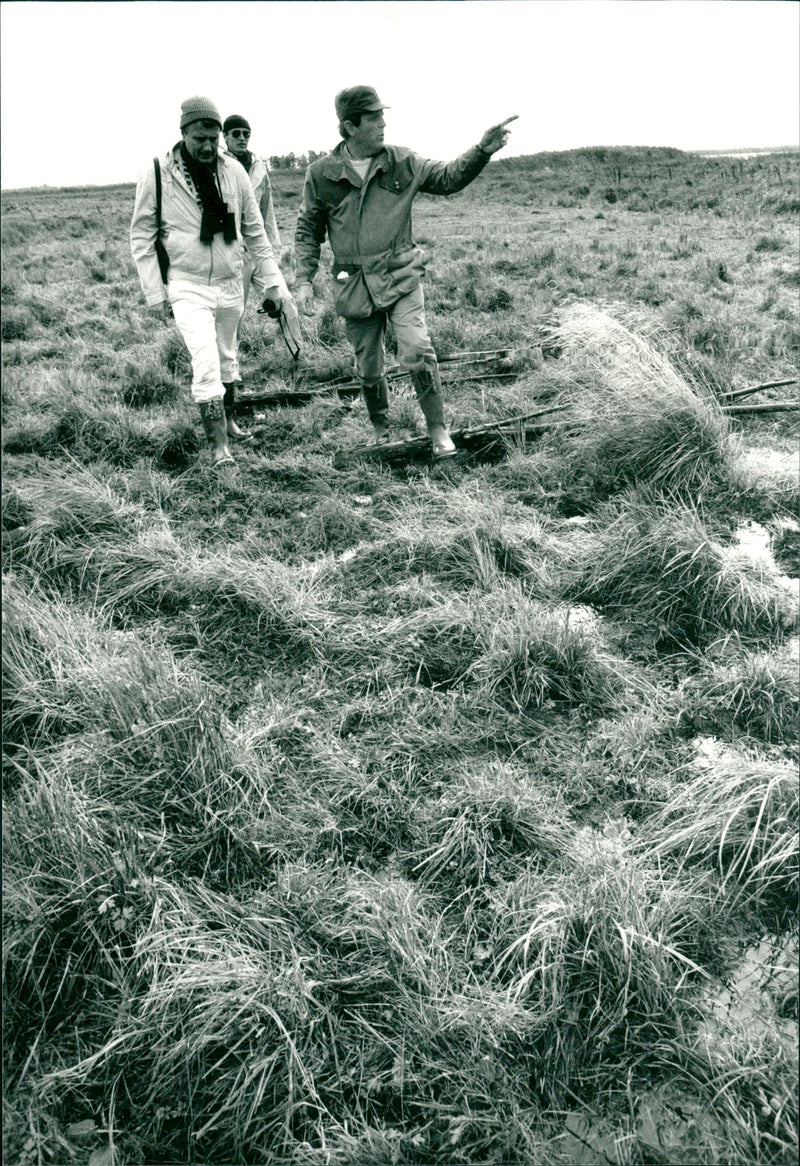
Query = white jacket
x=206 y=263
x=262 y=189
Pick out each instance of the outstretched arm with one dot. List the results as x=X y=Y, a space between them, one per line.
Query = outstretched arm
x=450 y=177
x=496 y=136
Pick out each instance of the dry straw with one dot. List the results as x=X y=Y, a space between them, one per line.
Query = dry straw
x=635 y=418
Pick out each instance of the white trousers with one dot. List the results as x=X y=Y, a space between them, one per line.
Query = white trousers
x=208 y=316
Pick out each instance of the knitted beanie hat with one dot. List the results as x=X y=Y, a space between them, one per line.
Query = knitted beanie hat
x=199 y=109
x=235 y=122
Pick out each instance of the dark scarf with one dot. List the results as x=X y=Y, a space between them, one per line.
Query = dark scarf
x=245 y=158
x=216 y=216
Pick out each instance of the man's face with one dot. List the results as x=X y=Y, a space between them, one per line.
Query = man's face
x=201 y=139
x=238 y=141
x=367 y=139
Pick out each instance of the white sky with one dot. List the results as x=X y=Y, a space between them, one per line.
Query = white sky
x=90 y=91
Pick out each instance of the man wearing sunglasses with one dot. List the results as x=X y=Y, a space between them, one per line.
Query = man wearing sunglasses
x=236 y=131
x=207 y=213
x=360 y=196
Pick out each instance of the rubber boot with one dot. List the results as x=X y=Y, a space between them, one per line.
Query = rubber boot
x=428 y=387
x=212 y=414
x=229 y=400
x=377 y=402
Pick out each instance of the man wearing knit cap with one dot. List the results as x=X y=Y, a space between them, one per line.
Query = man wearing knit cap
x=208 y=215
x=236 y=131
x=360 y=196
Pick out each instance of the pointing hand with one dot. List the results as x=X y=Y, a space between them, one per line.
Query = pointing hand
x=496 y=136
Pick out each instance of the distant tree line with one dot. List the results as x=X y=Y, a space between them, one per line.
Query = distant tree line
x=295 y=161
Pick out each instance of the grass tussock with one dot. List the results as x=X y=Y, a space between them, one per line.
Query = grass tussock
x=633 y=417
x=655 y=560
x=738 y=816
x=605 y=952
x=121 y=722
x=752 y=694
x=487 y=820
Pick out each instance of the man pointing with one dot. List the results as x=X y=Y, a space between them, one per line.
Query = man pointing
x=361 y=196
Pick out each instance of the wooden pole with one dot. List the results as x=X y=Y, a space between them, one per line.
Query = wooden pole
x=771 y=407
x=737 y=394
x=509 y=421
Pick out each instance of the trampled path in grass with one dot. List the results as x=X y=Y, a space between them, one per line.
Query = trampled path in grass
x=402 y=814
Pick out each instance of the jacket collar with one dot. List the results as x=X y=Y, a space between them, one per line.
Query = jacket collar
x=173 y=160
x=336 y=165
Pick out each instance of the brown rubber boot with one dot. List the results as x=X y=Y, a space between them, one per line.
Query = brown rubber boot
x=212 y=414
x=229 y=400
x=377 y=402
x=428 y=387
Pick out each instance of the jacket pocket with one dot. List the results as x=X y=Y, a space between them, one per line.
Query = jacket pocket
x=351 y=297
x=395 y=183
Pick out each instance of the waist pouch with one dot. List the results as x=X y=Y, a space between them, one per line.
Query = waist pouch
x=351 y=296
x=376 y=282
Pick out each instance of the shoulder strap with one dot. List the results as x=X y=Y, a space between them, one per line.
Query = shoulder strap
x=157 y=168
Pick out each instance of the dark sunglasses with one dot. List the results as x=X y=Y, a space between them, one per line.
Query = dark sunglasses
x=240 y=133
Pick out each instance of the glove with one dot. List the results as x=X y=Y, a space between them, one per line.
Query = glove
x=305 y=299
x=273 y=301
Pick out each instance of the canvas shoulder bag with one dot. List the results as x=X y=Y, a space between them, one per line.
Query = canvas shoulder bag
x=161 y=251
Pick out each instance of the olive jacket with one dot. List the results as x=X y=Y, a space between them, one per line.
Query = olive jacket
x=368 y=224
x=189 y=259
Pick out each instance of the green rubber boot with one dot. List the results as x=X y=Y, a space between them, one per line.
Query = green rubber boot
x=428 y=387
x=229 y=400
x=377 y=402
x=212 y=414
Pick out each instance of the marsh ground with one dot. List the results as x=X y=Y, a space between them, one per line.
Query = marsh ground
x=403 y=814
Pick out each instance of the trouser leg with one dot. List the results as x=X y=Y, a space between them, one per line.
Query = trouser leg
x=230 y=309
x=417 y=356
x=368 y=339
x=194 y=307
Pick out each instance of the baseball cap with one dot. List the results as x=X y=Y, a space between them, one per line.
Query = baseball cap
x=357 y=99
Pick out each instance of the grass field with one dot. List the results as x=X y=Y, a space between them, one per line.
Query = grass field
x=411 y=814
